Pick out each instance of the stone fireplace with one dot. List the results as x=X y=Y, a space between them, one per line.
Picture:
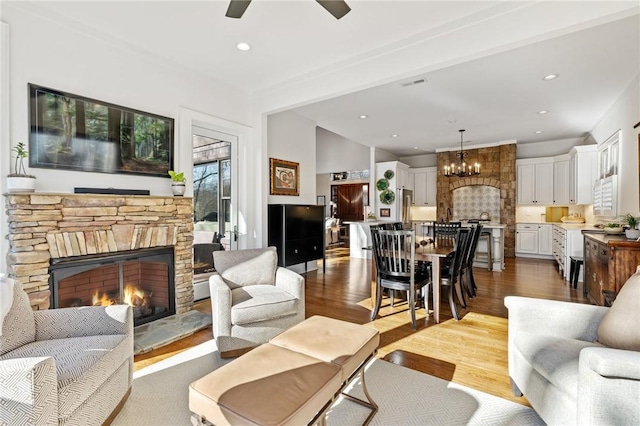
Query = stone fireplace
x=498 y=170
x=49 y=230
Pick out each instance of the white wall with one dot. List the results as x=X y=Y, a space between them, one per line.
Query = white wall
x=64 y=58
x=623 y=115
x=421 y=160
x=335 y=153
x=293 y=138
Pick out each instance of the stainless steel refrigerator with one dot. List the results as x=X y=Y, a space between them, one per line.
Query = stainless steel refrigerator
x=405 y=201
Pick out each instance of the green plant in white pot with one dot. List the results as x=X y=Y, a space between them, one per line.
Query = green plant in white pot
x=178 y=183
x=632 y=222
x=20 y=180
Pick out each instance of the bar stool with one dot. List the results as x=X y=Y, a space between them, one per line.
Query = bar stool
x=574 y=272
x=485 y=255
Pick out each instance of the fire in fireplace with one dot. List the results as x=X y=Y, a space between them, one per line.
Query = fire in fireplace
x=143 y=279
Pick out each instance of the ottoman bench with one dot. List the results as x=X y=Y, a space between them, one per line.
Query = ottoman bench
x=291 y=380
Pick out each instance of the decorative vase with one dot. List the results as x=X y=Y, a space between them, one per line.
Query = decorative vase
x=21 y=184
x=613 y=231
x=178 y=188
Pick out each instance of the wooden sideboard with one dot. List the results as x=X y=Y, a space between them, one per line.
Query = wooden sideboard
x=609 y=260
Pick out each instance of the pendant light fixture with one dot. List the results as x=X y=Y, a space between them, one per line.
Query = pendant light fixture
x=461 y=169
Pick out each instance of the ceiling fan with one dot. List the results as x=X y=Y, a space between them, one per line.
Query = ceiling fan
x=338 y=8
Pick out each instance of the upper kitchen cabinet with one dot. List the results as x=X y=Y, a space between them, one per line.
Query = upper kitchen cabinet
x=535 y=181
x=561 y=181
x=582 y=173
x=424 y=185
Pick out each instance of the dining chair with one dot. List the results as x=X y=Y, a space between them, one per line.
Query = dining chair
x=468 y=281
x=394 y=254
x=445 y=232
x=450 y=275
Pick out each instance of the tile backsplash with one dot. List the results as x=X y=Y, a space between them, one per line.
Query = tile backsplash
x=469 y=202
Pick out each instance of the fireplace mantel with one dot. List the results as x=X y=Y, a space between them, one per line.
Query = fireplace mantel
x=46 y=226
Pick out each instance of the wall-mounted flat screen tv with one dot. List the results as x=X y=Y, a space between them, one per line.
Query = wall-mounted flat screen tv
x=72 y=132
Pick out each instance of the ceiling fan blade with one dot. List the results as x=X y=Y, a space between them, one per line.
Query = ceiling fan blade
x=337 y=8
x=236 y=8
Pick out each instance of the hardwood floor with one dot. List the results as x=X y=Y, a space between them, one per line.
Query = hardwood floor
x=472 y=351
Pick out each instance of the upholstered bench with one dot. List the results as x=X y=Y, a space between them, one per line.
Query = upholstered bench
x=291 y=380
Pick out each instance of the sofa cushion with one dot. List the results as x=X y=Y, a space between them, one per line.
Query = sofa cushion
x=83 y=364
x=555 y=358
x=247 y=267
x=619 y=327
x=19 y=326
x=260 y=303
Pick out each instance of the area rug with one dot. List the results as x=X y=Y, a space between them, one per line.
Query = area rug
x=406 y=397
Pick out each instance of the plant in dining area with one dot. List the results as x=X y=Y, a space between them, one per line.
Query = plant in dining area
x=20 y=180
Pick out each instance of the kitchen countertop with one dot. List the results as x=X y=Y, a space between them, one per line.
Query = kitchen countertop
x=568 y=226
x=464 y=223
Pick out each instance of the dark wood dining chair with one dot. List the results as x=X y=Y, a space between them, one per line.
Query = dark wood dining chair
x=394 y=254
x=450 y=274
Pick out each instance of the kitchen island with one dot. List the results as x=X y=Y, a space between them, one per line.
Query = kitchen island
x=423 y=229
x=360 y=237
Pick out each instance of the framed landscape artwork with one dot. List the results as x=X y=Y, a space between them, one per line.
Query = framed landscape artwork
x=72 y=132
x=284 y=177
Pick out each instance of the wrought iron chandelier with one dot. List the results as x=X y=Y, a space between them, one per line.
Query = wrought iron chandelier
x=461 y=169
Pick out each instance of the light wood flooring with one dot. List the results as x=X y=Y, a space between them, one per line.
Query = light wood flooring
x=471 y=352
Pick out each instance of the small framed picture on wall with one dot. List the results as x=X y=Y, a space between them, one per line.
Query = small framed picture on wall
x=385 y=212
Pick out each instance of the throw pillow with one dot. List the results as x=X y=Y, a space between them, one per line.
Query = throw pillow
x=247 y=267
x=619 y=328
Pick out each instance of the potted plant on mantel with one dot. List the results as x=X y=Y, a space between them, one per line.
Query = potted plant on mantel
x=178 y=183
x=20 y=180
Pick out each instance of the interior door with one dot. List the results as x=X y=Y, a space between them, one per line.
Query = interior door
x=214 y=189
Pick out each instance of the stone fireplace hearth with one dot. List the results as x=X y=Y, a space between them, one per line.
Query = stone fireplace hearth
x=46 y=227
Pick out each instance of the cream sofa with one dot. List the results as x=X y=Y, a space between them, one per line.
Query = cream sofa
x=69 y=366
x=578 y=364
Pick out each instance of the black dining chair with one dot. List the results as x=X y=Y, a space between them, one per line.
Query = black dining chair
x=394 y=254
x=450 y=273
x=466 y=274
x=445 y=232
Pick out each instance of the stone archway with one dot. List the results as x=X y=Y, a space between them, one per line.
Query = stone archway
x=498 y=169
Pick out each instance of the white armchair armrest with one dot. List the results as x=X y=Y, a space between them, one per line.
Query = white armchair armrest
x=28 y=391
x=220 y=306
x=609 y=386
x=291 y=282
x=83 y=321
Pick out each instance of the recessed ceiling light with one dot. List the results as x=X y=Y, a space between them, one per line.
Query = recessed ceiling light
x=550 y=77
x=394 y=135
x=415 y=147
x=537 y=132
x=363 y=116
x=544 y=111
x=243 y=46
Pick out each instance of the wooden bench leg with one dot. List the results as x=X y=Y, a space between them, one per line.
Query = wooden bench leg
x=369 y=403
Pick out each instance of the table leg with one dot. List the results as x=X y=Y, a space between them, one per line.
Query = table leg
x=435 y=277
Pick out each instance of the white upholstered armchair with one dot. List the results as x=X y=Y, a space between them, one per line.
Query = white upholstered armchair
x=252 y=299
x=578 y=364
x=70 y=366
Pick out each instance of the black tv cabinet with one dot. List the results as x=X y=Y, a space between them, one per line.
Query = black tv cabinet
x=297 y=232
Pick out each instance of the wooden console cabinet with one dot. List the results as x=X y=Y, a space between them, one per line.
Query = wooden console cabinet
x=608 y=262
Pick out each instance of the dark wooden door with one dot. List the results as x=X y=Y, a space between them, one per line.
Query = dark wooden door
x=351 y=201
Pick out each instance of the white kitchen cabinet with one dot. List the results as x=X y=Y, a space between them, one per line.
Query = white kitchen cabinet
x=535 y=181
x=561 y=182
x=567 y=243
x=424 y=186
x=534 y=240
x=582 y=173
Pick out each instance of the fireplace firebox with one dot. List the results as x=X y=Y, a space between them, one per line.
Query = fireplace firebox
x=142 y=278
